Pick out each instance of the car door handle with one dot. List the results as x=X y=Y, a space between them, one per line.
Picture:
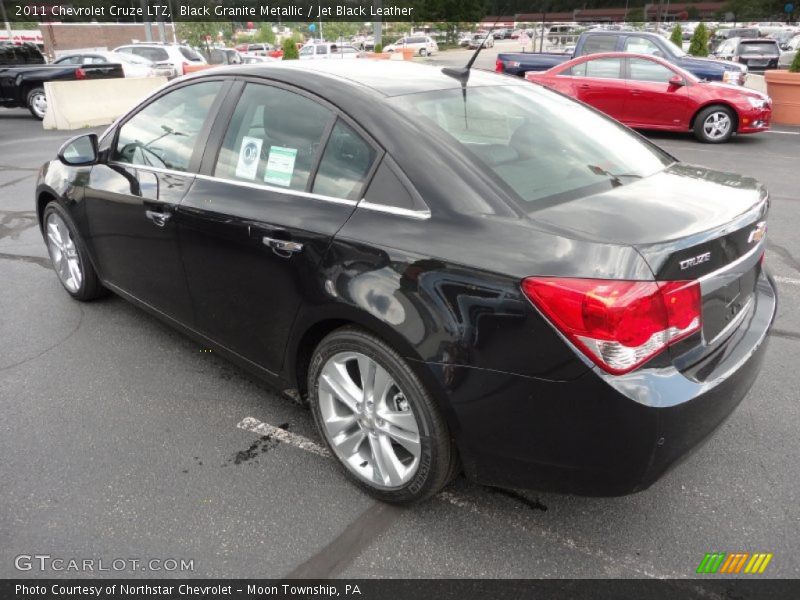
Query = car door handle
x=282 y=247
x=584 y=86
x=157 y=217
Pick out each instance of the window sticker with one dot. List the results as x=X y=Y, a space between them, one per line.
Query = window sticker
x=280 y=166
x=249 y=153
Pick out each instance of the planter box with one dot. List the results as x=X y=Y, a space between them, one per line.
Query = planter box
x=784 y=89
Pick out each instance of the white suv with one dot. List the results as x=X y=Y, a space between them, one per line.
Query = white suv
x=421 y=44
x=326 y=50
x=175 y=55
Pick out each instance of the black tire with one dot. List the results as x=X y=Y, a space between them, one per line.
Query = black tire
x=33 y=105
x=90 y=287
x=700 y=129
x=438 y=463
x=423 y=52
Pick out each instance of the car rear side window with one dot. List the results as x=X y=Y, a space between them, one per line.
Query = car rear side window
x=594 y=44
x=387 y=189
x=345 y=163
x=164 y=133
x=189 y=54
x=273 y=138
x=151 y=54
x=602 y=68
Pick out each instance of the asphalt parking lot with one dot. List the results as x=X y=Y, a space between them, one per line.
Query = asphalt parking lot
x=122 y=439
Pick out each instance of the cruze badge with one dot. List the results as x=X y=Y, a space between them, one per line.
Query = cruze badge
x=758 y=233
x=695 y=260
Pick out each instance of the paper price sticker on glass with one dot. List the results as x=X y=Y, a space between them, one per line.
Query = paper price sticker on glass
x=280 y=166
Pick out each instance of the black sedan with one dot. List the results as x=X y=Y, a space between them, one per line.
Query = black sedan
x=455 y=273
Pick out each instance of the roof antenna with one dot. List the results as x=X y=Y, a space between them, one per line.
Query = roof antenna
x=462 y=73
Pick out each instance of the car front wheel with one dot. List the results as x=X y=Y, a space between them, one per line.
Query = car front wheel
x=423 y=52
x=714 y=125
x=69 y=255
x=378 y=419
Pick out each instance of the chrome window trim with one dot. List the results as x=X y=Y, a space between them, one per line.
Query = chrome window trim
x=396 y=210
x=716 y=279
x=279 y=190
x=114 y=163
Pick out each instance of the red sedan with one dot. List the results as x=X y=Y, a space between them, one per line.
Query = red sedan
x=646 y=92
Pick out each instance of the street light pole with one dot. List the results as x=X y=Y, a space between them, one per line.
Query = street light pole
x=5 y=19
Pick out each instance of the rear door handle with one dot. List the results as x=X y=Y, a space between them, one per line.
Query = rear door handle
x=282 y=247
x=158 y=217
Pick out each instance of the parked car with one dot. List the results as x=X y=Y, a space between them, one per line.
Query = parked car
x=23 y=73
x=223 y=56
x=328 y=50
x=421 y=44
x=757 y=54
x=721 y=35
x=132 y=65
x=639 y=42
x=478 y=38
x=790 y=50
x=464 y=39
x=558 y=304
x=177 y=56
x=252 y=59
x=647 y=92
x=259 y=49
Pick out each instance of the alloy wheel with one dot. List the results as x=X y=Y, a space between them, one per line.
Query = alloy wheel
x=368 y=420
x=64 y=253
x=717 y=125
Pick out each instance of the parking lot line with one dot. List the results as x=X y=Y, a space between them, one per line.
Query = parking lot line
x=786 y=280
x=522 y=524
x=783 y=132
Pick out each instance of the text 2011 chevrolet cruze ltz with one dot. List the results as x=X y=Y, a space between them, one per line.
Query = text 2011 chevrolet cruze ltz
x=455 y=272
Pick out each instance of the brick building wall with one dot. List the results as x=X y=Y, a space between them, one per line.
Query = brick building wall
x=59 y=37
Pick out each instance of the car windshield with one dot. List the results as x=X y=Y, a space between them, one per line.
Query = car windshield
x=542 y=146
x=758 y=48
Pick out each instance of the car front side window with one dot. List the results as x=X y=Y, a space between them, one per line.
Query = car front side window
x=165 y=132
x=273 y=138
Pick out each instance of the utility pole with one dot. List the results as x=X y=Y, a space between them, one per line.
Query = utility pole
x=5 y=19
x=377 y=27
x=148 y=26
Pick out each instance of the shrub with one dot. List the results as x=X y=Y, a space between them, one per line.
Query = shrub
x=289 y=49
x=795 y=66
x=677 y=35
x=699 y=44
x=378 y=48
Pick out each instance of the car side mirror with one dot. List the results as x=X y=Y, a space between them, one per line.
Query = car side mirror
x=676 y=81
x=79 y=151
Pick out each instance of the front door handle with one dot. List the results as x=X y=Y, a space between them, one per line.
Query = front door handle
x=159 y=218
x=282 y=247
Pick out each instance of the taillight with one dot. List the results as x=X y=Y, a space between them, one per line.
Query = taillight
x=80 y=73
x=619 y=325
x=498 y=66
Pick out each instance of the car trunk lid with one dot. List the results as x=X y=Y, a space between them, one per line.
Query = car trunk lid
x=688 y=223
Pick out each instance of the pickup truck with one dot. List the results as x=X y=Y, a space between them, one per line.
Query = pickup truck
x=23 y=73
x=592 y=42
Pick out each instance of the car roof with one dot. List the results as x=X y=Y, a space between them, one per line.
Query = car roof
x=386 y=78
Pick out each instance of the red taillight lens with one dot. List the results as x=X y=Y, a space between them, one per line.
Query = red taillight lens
x=80 y=73
x=618 y=324
x=498 y=66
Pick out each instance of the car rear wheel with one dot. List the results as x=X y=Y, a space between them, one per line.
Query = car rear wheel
x=714 y=125
x=37 y=103
x=378 y=419
x=69 y=255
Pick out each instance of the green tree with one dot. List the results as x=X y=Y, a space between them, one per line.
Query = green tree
x=635 y=14
x=290 y=49
x=265 y=34
x=195 y=33
x=699 y=44
x=677 y=35
x=693 y=13
x=795 y=66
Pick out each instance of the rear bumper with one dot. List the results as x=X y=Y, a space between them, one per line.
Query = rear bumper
x=600 y=434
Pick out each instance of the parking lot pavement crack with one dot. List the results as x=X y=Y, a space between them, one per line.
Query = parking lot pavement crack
x=36 y=260
x=13 y=168
x=15 y=181
x=787 y=256
x=334 y=558
x=783 y=333
x=66 y=338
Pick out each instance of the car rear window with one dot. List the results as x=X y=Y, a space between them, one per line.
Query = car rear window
x=542 y=147
x=152 y=54
x=758 y=48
